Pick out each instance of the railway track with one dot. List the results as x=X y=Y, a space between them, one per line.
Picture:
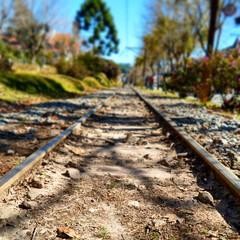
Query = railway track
x=121 y=175
x=217 y=132
x=28 y=128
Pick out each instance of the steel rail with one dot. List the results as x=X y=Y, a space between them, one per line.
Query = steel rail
x=17 y=173
x=230 y=179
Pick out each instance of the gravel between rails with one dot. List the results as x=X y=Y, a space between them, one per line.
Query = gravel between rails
x=123 y=176
x=28 y=128
x=219 y=134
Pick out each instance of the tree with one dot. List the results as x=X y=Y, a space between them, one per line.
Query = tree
x=30 y=24
x=95 y=17
x=6 y=7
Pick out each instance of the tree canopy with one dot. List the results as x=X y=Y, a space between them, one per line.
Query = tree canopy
x=95 y=18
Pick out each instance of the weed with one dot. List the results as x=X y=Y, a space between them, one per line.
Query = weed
x=103 y=233
x=21 y=159
x=155 y=235
x=78 y=188
x=16 y=163
x=204 y=231
x=111 y=185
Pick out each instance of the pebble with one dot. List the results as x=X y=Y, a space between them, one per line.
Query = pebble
x=134 y=204
x=36 y=183
x=7 y=212
x=25 y=205
x=10 y=152
x=167 y=162
x=131 y=138
x=73 y=173
x=54 y=133
x=34 y=193
x=157 y=223
x=205 y=197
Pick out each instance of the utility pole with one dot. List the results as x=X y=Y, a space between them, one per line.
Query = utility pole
x=212 y=26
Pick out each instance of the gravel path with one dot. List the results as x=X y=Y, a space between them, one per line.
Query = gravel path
x=123 y=176
x=24 y=129
x=219 y=134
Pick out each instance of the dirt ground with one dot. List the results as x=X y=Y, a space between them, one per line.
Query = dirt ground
x=122 y=177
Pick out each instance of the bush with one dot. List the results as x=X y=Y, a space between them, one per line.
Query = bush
x=88 y=64
x=62 y=66
x=92 y=82
x=5 y=65
x=207 y=76
x=102 y=78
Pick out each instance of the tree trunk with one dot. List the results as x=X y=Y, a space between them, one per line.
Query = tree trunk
x=33 y=58
x=212 y=26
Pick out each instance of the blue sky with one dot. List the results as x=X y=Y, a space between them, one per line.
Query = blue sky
x=133 y=19
x=135 y=25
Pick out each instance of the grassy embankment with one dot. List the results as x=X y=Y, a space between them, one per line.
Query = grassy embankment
x=35 y=85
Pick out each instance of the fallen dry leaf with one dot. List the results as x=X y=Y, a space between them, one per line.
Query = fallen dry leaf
x=77 y=151
x=67 y=232
x=174 y=218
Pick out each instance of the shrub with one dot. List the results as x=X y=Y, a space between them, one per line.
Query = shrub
x=92 y=82
x=102 y=78
x=206 y=76
x=5 y=65
x=62 y=66
x=86 y=64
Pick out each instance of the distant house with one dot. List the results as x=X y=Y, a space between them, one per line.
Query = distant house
x=11 y=41
x=235 y=46
x=62 y=44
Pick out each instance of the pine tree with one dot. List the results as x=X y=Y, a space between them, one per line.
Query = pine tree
x=95 y=17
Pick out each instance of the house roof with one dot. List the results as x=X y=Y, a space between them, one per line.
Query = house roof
x=236 y=45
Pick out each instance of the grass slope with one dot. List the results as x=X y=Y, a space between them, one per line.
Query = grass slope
x=27 y=86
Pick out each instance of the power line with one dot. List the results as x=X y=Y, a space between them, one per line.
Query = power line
x=126 y=5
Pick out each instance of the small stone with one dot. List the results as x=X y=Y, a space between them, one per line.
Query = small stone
x=231 y=154
x=34 y=193
x=146 y=156
x=110 y=142
x=157 y=223
x=33 y=130
x=7 y=212
x=167 y=162
x=54 y=133
x=71 y=164
x=77 y=130
x=25 y=205
x=224 y=142
x=36 y=183
x=205 y=197
x=142 y=142
x=73 y=173
x=134 y=204
x=131 y=139
x=10 y=152
x=180 y=155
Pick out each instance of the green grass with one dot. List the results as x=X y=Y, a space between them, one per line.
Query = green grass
x=34 y=87
x=161 y=93
x=91 y=83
